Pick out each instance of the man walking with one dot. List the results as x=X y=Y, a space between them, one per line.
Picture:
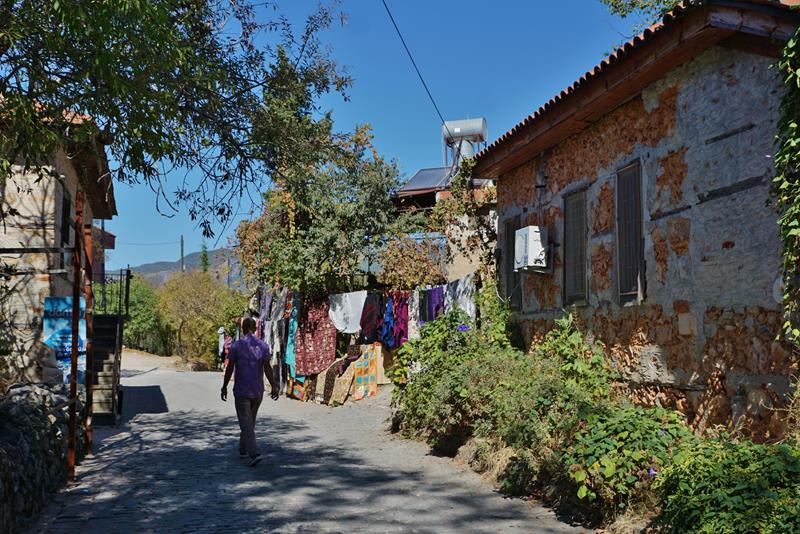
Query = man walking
x=249 y=358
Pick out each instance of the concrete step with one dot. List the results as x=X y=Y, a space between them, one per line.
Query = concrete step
x=104 y=366
x=103 y=394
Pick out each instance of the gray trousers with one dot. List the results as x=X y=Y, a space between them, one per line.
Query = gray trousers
x=246 y=411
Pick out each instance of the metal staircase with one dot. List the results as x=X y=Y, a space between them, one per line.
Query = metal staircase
x=107 y=344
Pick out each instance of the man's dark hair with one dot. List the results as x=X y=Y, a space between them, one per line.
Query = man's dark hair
x=248 y=325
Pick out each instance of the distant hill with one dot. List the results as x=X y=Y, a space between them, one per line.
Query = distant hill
x=222 y=260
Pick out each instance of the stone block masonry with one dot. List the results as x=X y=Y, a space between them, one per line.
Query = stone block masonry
x=33 y=451
x=703 y=339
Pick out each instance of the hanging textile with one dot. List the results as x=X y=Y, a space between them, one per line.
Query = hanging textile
x=366 y=375
x=400 y=318
x=316 y=339
x=424 y=308
x=435 y=302
x=460 y=294
x=346 y=310
x=413 y=315
x=264 y=318
x=291 y=340
x=277 y=321
x=387 y=328
x=371 y=317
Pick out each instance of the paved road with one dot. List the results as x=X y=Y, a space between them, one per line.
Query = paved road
x=173 y=466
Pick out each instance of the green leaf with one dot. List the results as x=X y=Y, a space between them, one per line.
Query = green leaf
x=583 y=491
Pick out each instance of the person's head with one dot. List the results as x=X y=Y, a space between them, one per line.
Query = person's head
x=248 y=326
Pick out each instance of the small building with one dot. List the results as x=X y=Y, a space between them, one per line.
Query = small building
x=429 y=186
x=650 y=176
x=40 y=216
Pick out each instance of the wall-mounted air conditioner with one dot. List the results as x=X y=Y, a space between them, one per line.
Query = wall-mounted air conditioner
x=530 y=249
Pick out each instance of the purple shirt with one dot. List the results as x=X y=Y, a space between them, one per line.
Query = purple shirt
x=248 y=356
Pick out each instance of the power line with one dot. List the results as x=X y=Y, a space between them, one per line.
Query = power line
x=414 y=63
x=149 y=244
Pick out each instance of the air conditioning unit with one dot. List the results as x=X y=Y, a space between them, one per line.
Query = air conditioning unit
x=530 y=248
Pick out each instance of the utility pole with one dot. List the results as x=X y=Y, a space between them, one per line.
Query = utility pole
x=181 y=252
x=229 y=271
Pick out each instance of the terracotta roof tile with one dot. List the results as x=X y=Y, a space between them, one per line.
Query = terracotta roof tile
x=615 y=56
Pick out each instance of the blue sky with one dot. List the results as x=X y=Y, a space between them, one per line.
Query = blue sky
x=499 y=60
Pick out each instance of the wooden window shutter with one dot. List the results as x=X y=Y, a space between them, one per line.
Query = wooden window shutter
x=575 y=248
x=513 y=291
x=630 y=241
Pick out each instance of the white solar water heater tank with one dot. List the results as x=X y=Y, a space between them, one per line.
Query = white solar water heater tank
x=530 y=248
x=472 y=130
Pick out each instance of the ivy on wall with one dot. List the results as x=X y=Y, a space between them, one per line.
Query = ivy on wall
x=786 y=184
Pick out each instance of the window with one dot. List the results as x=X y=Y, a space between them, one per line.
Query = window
x=630 y=242
x=513 y=289
x=575 y=248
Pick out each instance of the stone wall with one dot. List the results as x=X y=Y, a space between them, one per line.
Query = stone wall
x=33 y=450
x=37 y=223
x=703 y=338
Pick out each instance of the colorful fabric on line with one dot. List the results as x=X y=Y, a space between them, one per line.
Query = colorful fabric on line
x=387 y=328
x=291 y=341
x=435 y=302
x=346 y=310
x=424 y=308
x=460 y=294
x=316 y=339
x=366 y=375
x=371 y=317
x=413 y=315
x=400 y=318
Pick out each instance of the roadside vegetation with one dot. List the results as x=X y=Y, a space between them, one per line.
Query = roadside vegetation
x=182 y=316
x=550 y=424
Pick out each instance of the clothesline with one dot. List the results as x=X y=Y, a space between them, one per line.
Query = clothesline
x=303 y=334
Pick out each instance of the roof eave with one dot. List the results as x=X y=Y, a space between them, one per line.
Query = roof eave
x=625 y=73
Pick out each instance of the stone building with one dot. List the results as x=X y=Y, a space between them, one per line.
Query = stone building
x=651 y=175
x=429 y=186
x=40 y=212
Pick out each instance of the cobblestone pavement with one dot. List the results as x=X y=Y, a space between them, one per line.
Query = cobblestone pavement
x=173 y=466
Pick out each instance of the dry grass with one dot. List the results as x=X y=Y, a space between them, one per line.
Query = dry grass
x=485 y=457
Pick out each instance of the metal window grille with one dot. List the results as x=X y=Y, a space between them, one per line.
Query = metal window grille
x=575 y=248
x=630 y=241
x=513 y=289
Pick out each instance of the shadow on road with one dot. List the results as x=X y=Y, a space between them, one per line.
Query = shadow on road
x=180 y=471
x=142 y=399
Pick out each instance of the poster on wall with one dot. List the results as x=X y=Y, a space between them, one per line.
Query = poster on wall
x=57 y=333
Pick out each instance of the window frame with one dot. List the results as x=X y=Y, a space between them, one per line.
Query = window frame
x=574 y=299
x=630 y=298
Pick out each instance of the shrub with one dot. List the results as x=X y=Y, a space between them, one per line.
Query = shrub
x=617 y=453
x=718 y=486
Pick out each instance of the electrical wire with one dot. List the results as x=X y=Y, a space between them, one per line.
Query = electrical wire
x=149 y=244
x=414 y=63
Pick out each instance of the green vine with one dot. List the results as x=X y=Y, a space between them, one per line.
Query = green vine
x=465 y=216
x=786 y=184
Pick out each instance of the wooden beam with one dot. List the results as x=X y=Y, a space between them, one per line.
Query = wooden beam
x=89 y=297
x=76 y=310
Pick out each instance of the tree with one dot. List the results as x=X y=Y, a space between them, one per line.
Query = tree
x=323 y=223
x=412 y=261
x=147 y=329
x=649 y=10
x=205 y=263
x=170 y=86
x=196 y=306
